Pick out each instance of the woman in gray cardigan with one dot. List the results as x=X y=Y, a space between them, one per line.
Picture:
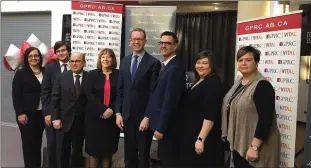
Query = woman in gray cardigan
x=249 y=117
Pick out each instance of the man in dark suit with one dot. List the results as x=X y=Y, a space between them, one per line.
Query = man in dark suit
x=67 y=109
x=137 y=75
x=163 y=109
x=62 y=50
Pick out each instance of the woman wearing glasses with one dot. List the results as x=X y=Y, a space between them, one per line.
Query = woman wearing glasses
x=102 y=133
x=26 y=88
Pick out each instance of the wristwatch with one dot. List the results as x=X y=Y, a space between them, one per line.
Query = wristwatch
x=255 y=148
x=201 y=139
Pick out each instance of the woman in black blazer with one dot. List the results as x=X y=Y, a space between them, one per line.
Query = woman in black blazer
x=102 y=133
x=26 y=88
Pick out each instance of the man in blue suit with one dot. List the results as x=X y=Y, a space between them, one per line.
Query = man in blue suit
x=137 y=74
x=163 y=109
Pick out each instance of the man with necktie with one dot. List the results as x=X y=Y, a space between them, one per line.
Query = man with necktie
x=67 y=110
x=137 y=75
x=62 y=50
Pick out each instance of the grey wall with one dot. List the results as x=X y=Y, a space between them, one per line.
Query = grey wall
x=15 y=29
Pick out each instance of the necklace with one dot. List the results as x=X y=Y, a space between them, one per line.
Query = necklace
x=37 y=72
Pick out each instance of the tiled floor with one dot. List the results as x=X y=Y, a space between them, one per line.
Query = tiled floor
x=118 y=158
x=300 y=135
x=11 y=154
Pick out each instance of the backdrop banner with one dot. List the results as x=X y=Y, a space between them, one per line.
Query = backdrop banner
x=95 y=26
x=154 y=20
x=278 y=38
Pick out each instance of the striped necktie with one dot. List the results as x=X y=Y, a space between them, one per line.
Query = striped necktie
x=134 y=67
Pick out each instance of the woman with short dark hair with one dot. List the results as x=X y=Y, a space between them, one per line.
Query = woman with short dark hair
x=26 y=89
x=249 y=117
x=201 y=139
x=102 y=133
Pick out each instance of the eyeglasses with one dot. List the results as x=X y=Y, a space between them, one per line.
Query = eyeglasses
x=137 y=39
x=74 y=61
x=33 y=56
x=165 y=43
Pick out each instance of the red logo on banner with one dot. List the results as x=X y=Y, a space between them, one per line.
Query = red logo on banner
x=286 y=108
x=97 y=7
x=284 y=22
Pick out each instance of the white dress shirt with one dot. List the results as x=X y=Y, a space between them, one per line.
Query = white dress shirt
x=140 y=57
x=167 y=61
x=40 y=103
x=74 y=76
x=62 y=67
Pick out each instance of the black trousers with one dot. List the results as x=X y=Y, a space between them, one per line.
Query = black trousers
x=51 y=146
x=31 y=135
x=169 y=151
x=136 y=145
x=70 y=144
x=239 y=161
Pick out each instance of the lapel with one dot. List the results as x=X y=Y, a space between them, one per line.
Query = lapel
x=127 y=67
x=83 y=83
x=101 y=77
x=141 y=68
x=113 y=76
x=57 y=68
x=172 y=62
x=70 y=82
x=33 y=76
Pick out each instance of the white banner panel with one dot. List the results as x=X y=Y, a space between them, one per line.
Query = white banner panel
x=278 y=38
x=154 y=20
x=95 y=26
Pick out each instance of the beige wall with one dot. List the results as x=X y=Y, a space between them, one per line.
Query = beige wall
x=303 y=90
x=247 y=11
x=194 y=6
x=303 y=86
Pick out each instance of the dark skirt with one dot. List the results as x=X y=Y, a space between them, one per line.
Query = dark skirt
x=213 y=155
x=102 y=136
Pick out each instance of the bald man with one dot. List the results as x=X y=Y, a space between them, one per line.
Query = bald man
x=67 y=111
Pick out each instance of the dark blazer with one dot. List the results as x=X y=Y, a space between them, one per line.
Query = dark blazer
x=132 y=97
x=163 y=107
x=95 y=92
x=101 y=135
x=25 y=92
x=64 y=102
x=51 y=71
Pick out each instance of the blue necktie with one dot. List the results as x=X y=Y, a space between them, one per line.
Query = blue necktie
x=134 y=67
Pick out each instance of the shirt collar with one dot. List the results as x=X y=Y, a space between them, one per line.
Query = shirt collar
x=74 y=74
x=167 y=61
x=61 y=63
x=140 y=55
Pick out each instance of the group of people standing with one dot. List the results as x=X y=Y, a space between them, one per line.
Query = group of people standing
x=144 y=98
